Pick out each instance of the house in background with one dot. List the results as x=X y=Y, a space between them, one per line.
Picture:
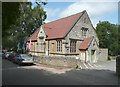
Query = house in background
x=69 y=36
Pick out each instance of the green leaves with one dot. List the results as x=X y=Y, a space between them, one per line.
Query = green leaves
x=108 y=36
x=10 y=12
x=25 y=23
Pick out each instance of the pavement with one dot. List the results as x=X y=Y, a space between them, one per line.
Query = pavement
x=102 y=73
x=100 y=65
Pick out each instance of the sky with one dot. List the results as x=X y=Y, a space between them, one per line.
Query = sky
x=98 y=10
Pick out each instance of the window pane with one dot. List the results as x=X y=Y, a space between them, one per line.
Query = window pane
x=72 y=46
x=59 y=46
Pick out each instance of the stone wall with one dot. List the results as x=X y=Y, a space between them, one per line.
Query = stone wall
x=103 y=54
x=60 y=61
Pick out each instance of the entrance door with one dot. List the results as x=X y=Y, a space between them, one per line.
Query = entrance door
x=92 y=55
x=83 y=56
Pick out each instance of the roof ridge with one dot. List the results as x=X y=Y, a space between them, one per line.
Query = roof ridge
x=65 y=17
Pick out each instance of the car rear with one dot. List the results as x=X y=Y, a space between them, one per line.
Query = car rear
x=26 y=59
x=7 y=55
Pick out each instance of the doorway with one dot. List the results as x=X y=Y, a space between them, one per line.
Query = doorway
x=83 y=55
x=92 y=55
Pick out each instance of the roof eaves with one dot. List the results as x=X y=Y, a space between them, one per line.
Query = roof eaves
x=91 y=38
x=54 y=38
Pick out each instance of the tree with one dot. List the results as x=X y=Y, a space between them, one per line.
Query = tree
x=118 y=39
x=28 y=21
x=10 y=12
x=108 y=36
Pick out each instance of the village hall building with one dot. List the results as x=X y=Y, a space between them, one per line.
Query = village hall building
x=69 y=36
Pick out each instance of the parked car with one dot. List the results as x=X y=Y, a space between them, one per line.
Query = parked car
x=11 y=55
x=23 y=59
x=7 y=55
x=3 y=55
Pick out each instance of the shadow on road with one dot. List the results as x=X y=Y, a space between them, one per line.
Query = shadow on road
x=22 y=76
x=10 y=64
x=88 y=77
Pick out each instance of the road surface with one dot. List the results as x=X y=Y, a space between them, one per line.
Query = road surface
x=13 y=74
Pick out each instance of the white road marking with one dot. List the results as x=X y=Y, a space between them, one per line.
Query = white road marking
x=85 y=65
x=95 y=65
x=90 y=65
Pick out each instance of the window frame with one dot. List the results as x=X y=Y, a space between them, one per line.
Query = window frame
x=42 y=46
x=59 y=45
x=73 y=46
x=84 y=31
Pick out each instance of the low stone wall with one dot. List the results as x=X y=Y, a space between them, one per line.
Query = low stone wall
x=60 y=61
x=118 y=66
x=36 y=53
x=103 y=56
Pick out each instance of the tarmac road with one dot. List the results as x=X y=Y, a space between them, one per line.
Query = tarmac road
x=13 y=74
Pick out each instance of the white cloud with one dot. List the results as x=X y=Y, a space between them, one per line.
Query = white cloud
x=82 y=0
x=52 y=12
x=46 y=21
x=98 y=0
x=94 y=9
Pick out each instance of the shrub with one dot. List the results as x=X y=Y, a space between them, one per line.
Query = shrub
x=109 y=58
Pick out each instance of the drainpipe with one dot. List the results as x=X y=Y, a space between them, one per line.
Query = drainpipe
x=85 y=57
x=44 y=47
x=34 y=48
x=48 y=47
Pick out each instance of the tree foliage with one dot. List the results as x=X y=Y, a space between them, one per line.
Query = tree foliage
x=10 y=12
x=28 y=21
x=108 y=36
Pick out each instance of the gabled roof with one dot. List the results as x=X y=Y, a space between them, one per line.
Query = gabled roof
x=59 y=28
x=86 y=43
x=33 y=37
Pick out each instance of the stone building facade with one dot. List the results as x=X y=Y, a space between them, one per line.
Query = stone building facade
x=70 y=36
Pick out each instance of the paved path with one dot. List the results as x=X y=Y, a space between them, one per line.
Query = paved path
x=100 y=65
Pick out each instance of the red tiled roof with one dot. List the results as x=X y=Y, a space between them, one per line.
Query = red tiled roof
x=59 y=28
x=85 y=43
